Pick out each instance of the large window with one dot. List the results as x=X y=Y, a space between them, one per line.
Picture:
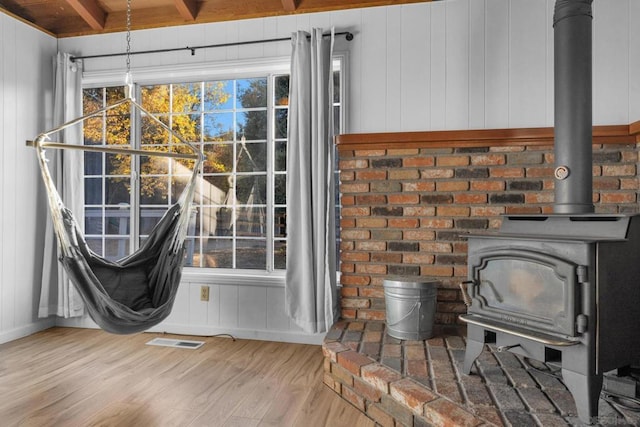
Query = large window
x=240 y=207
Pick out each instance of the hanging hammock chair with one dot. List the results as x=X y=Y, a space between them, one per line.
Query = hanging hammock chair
x=138 y=291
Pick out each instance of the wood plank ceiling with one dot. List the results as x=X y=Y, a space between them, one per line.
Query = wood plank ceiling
x=67 y=18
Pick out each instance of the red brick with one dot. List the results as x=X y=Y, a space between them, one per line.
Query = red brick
x=619 y=170
x=539 y=172
x=347 y=200
x=348 y=292
x=348 y=313
x=411 y=258
x=355 y=303
x=330 y=350
x=371 y=175
x=487 y=211
x=419 y=235
x=354 y=280
x=436 y=223
x=371 y=314
x=379 y=376
x=467 y=198
x=371 y=223
x=367 y=391
x=347 y=267
x=372 y=292
x=452 y=211
x=629 y=184
x=341 y=374
x=446 y=186
x=387 y=257
x=371 y=268
x=436 y=270
x=506 y=149
x=617 y=197
x=409 y=162
x=404 y=152
x=347 y=176
x=352 y=397
x=488 y=185
x=404 y=174
x=488 y=159
x=355 y=234
x=379 y=416
x=452 y=160
x=538 y=197
x=437 y=173
x=369 y=153
x=411 y=394
x=330 y=382
x=354 y=188
x=353 y=164
x=437 y=247
x=353 y=361
x=371 y=245
x=417 y=368
x=419 y=211
x=404 y=223
x=370 y=199
x=423 y=186
x=355 y=211
x=506 y=172
x=355 y=256
x=443 y=413
x=403 y=199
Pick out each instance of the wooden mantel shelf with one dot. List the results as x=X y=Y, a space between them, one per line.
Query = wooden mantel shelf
x=479 y=138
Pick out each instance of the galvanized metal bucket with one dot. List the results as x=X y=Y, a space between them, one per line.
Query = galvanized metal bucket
x=410 y=308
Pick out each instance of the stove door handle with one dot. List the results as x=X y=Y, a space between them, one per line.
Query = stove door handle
x=465 y=293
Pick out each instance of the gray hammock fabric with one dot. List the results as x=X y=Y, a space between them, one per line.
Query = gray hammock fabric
x=137 y=292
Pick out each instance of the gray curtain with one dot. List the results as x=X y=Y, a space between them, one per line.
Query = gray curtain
x=311 y=296
x=58 y=295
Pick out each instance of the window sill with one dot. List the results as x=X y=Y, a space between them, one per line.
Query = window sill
x=233 y=277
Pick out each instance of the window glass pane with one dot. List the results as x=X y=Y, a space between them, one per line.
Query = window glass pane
x=252 y=125
x=215 y=189
x=149 y=218
x=117 y=220
x=155 y=99
x=114 y=94
x=186 y=97
x=251 y=254
x=92 y=191
x=92 y=163
x=252 y=93
x=281 y=90
x=192 y=256
x=336 y=86
x=216 y=221
x=251 y=221
x=280 y=222
x=154 y=165
x=153 y=190
x=95 y=244
x=91 y=100
x=251 y=189
x=218 y=253
x=187 y=126
x=117 y=164
x=218 y=127
x=281 y=117
x=93 y=221
x=153 y=132
x=280 y=254
x=218 y=158
x=251 y=157
x=281 y=155
x=280 y=191
x=92 y=131
x=118 y=129
x=218 y=95
x=116 y=191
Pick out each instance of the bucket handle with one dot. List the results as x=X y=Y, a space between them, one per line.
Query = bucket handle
x=416 y=304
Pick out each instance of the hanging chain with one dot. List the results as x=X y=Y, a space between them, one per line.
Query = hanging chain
x=128 y=36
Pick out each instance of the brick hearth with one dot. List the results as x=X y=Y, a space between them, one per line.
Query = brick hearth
x=419 y=383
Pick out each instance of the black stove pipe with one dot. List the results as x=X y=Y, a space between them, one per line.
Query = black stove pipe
x=572 y=21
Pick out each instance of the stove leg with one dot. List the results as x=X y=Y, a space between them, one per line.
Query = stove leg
x=474 y=348
x=585 y=390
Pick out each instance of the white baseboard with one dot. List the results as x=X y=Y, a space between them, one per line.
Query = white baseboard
x=26 y=330
x=204 y=331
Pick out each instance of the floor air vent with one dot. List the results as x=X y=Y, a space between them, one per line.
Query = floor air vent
x=165 y=342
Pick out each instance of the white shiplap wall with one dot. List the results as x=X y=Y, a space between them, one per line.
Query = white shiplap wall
x=459 y=64
x=25 y=99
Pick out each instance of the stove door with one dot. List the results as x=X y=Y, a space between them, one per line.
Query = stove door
x=525 y=288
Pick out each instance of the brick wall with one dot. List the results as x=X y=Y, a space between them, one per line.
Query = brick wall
x=409 y=199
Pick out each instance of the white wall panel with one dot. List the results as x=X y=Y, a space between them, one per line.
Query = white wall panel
x=373 y=72
x=476 y=64
x=527 y=63
x=253 y=300
x=438 y=67
x=549 y=66
x=393 y=95
x=277 y=318
x=497 y=64
x=457 y=64
x=415 y=70
x=611 y=61
x=229 y=306
x=25 y=89
x=634 y=61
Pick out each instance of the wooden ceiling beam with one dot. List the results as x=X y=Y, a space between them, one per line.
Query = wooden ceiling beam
x=290 y=5
x=188 y=9
x=90 y=11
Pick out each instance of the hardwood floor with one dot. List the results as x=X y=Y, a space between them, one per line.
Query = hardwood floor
x=83 y=377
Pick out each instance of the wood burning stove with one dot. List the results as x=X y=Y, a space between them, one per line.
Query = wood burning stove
x=559 y=289
x=562 y=288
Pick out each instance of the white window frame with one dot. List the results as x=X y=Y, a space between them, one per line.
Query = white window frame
x=227 y=70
